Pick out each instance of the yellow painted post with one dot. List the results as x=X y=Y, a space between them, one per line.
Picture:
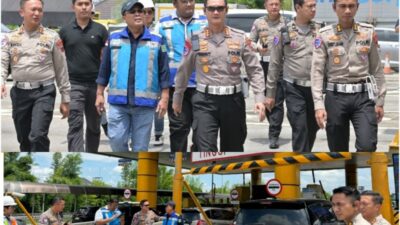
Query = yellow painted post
x=289 y=176
x=380 y=182
x=178 y=185
x=196 y=202
x=351 y=174
x=394 y=145
x=256 y=177
x=22 y=207
x=147 y=175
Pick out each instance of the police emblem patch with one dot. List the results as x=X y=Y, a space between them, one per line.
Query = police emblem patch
x=317 y=42
x=276 y=40
x=187 y=48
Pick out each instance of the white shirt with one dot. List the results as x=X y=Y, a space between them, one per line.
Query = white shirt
x=359 y=220
x=380 y=221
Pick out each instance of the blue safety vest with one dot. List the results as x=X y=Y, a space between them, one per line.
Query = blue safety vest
x=108 y=214
x=173 y=219
x=175 y=32
x=147 y=87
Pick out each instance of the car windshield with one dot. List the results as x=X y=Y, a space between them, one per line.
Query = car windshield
x=267 y=216
x=191 y=215
x=321 y=212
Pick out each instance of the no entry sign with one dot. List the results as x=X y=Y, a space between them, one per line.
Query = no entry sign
x=273 y=187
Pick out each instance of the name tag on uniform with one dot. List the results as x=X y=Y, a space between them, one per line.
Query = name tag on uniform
x=334 y=44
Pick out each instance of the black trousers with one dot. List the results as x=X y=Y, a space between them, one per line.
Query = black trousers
x=179 y=126
x=32 y=114
x=83 y=99
x=223 y=113
x=275 y=117
x=342 y=108
x=301 y=115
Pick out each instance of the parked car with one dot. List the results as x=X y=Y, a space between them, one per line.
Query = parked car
x=218 y=216
x=388 y=41
x=84 y=214
x=283 y=212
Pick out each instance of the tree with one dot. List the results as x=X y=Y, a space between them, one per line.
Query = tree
x=194 y=183
x=128 y=175
x=165 y=178
x=66 y=170
x=18 y=168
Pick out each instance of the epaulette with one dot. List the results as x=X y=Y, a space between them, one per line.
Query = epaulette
x=366 y=25
x=326 y=28
x=237 y=31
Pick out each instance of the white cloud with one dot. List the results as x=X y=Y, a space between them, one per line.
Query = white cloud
x=117 y=169
x=42 y=173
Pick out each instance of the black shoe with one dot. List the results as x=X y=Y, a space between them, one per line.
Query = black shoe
x=274 y=143
x=105 y=128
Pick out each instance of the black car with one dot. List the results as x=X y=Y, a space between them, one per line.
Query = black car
x=285 y=212
x=84 y=214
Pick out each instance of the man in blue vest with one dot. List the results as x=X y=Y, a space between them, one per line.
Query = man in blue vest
x=175 y=29
x=109 y=214
x=135 y=67
x=171 y=217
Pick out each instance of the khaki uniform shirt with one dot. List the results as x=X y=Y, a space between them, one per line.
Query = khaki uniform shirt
x=359 y=220
x=218 y=62
x=145 y=219
x=380 y=221
x=35 y=56
x=342 y=58
x=295 y=58
x=263 y=32
x=50 y=218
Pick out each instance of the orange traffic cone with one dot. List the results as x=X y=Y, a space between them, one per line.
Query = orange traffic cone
x=386 y=68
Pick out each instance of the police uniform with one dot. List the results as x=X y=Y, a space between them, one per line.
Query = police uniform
x=174 y=32
x=263 y=32
x=218 y=102
x=346 y=58
x=50 y=218
x=36 y=59
x=293 y=51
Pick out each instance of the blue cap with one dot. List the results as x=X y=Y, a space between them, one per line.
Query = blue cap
x=128 y=5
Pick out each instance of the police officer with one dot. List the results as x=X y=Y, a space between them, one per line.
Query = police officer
x=109 y=214
x=292 y=49
x=262 y=34
x=175 y=29
x=36 y=57
x=9 y=208
x=346 y=54
x=53 y=216
x=217 y=54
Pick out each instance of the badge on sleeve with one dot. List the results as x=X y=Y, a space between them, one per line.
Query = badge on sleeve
x=317 y=42
x=187 y=48
x=375 y=38
x=276 y=40
x=60 y=45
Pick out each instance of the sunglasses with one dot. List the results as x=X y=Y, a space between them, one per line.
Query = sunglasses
x=136 y=11
x=148 y=12
x=213 y=8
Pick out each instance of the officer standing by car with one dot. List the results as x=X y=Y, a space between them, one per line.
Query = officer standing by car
x=292 y=50
x=36 y=57
x=216 y=54
x=346 y=55
x=175 y=29
x=83 y=40
x=262 y=34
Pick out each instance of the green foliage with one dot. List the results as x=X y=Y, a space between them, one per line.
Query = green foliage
x=128 y=175
x=165 y=177
x=66 y=170
x=18 y=168
x=195 y=183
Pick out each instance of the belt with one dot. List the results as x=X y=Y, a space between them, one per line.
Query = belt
x=219 y=90
x=347 y=88
x=33 y=85
x=304 y=83
x=265 y=58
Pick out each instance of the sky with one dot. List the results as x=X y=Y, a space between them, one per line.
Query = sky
x=106 y=168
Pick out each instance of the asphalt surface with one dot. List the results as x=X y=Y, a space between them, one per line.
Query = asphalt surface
x=257 y=131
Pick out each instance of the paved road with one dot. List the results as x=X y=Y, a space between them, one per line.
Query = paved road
x=257 y=132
